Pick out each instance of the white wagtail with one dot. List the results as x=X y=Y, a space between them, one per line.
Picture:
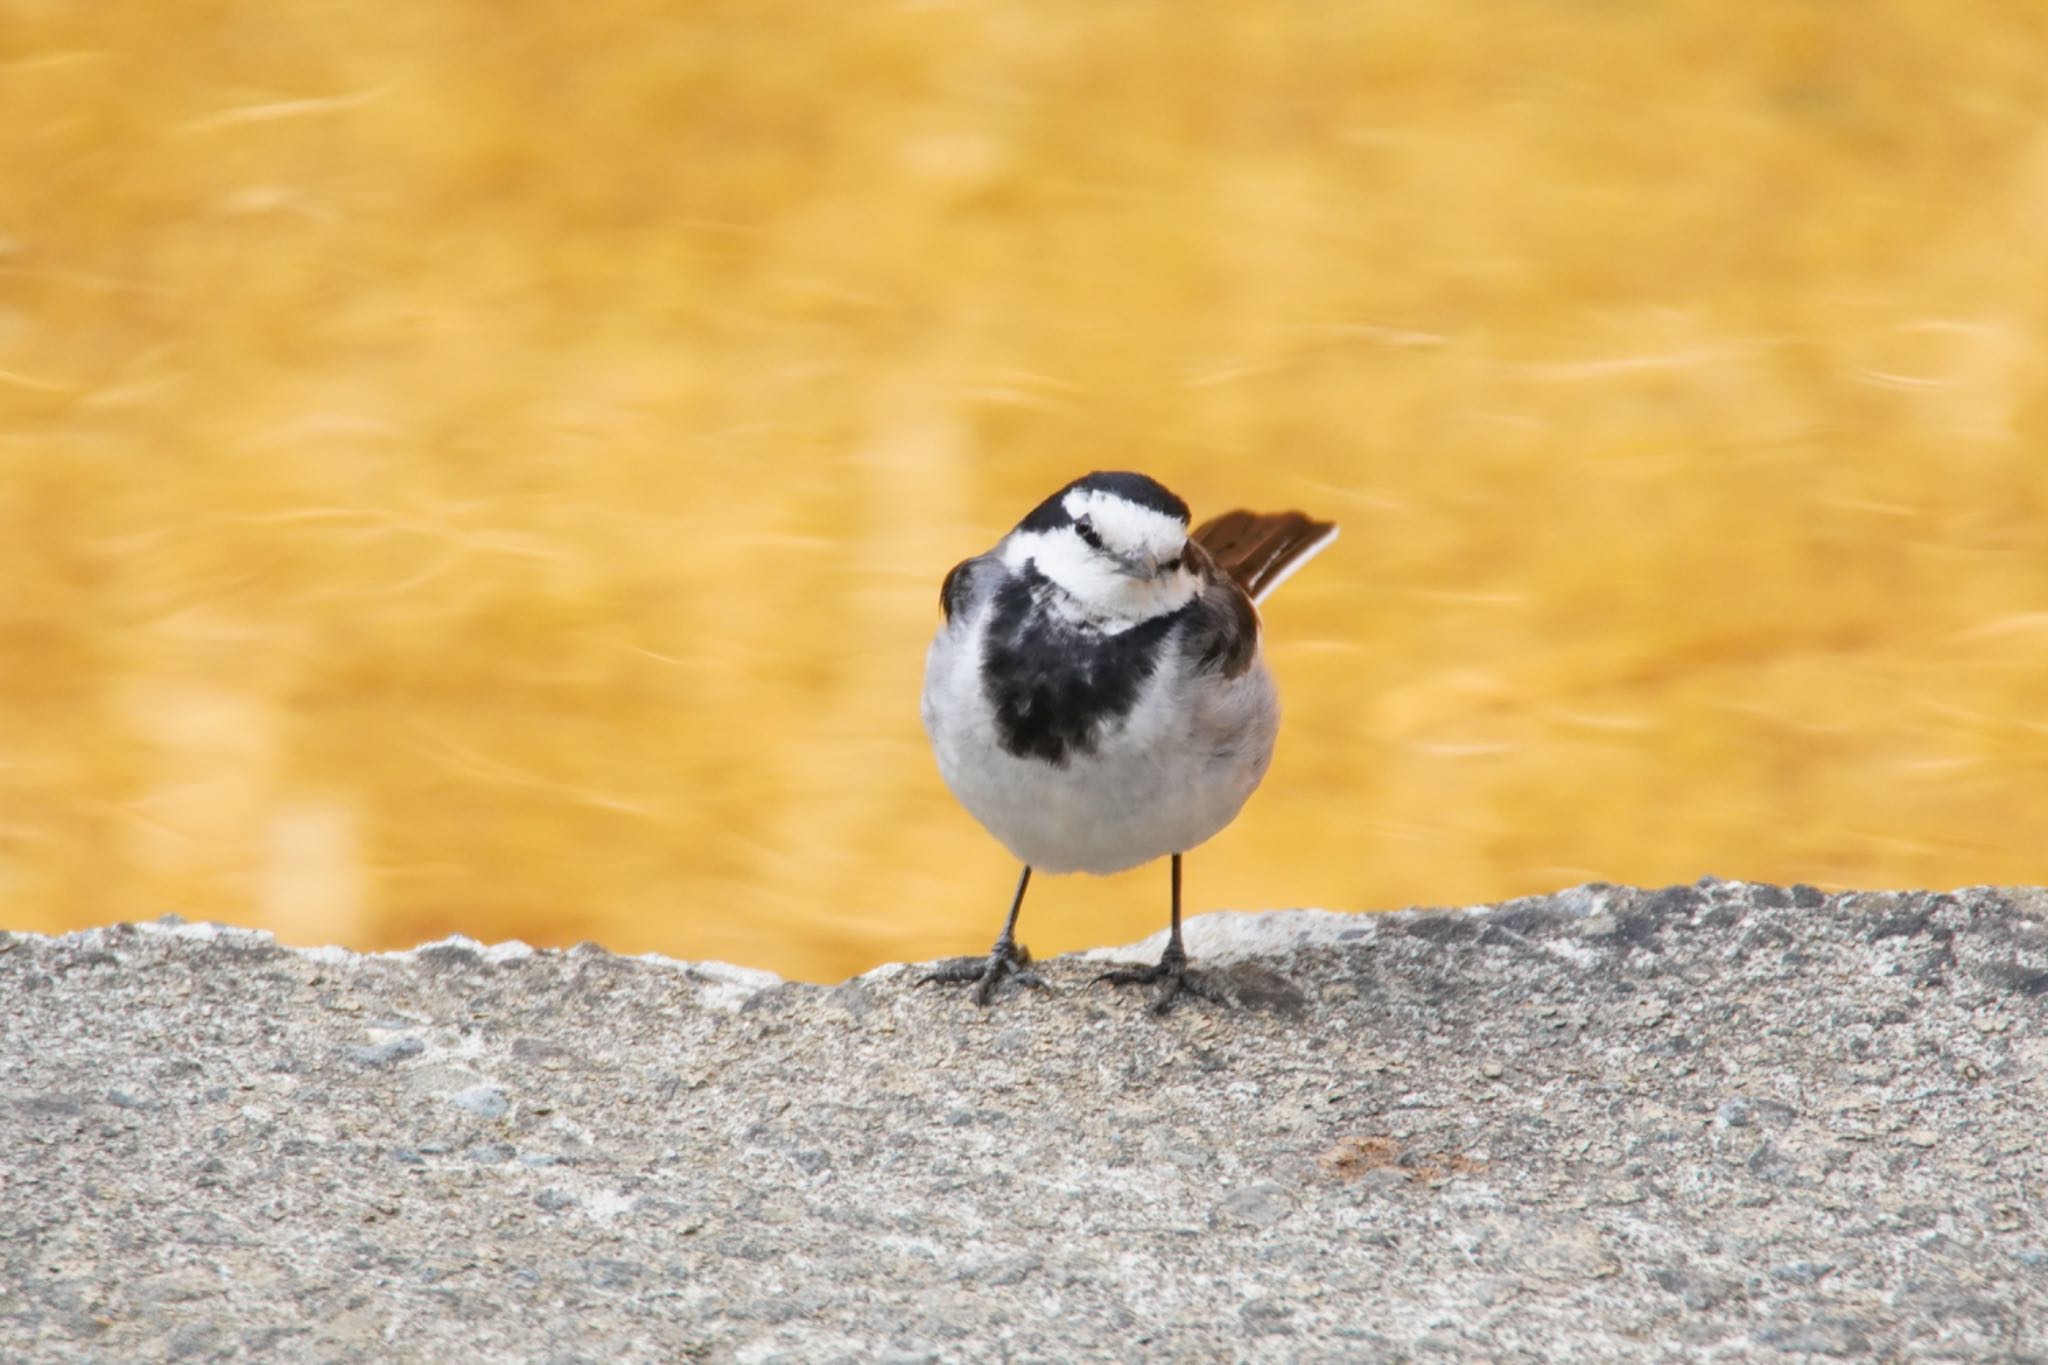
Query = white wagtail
x=1097 y=697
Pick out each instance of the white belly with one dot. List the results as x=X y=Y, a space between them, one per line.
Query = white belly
x=1171 y=776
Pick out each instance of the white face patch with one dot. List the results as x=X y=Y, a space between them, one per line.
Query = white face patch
x=1097 y=589
x=1126 y=529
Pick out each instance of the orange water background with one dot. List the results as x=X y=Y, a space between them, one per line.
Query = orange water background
x=485 y=468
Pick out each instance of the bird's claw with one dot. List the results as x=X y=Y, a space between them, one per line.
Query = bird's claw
x=1173 y=978
x=1006 y=959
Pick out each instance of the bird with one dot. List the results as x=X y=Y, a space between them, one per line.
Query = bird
x=1097 y=698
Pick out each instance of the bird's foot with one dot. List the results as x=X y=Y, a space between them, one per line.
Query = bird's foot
x=1173 y=978
x=1006 y=959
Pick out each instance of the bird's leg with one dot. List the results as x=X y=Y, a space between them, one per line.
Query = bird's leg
x=1006 y=958
x=1172 y=974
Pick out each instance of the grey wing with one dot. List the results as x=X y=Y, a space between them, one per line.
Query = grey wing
x=968 y=584
x=1222 y=634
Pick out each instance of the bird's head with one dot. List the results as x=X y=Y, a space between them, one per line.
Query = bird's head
x=1114 y=542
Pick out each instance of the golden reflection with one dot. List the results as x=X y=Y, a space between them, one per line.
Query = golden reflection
x=490 y=470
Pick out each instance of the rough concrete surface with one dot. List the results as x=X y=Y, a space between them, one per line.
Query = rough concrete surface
x=1718 y=1122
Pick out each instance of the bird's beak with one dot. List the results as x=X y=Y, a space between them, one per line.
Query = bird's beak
x=1138 y=566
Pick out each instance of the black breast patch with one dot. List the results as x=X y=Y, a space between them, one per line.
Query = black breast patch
x=1056 y=685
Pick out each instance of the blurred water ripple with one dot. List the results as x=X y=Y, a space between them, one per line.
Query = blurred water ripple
x=491 y=470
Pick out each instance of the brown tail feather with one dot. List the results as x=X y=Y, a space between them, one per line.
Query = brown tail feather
x=1259 y=549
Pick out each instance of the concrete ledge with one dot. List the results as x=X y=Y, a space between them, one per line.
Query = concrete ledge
x=1724 y=1121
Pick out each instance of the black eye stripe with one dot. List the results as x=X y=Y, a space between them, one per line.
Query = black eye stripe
x=1087 y=530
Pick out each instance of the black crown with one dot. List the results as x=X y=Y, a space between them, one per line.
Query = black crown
x=1140 y=489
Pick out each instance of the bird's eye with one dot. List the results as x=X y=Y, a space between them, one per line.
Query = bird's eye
x=1170 y=565
x=1086 y=529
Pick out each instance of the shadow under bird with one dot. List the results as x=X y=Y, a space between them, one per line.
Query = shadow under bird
x=1097 y=696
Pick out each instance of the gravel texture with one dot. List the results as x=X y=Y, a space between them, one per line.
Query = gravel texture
x=1717 y=1122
